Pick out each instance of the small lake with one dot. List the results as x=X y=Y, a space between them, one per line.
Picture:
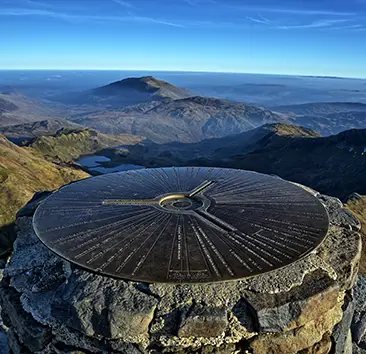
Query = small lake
x=93 y=163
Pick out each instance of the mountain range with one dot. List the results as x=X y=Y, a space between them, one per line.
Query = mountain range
x=21 y=133
x=162 y=112
x=18 y=109
x=326 y=118
x=187 y=120
x=334 y=165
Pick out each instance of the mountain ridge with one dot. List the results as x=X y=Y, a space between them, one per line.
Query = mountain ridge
x=69 y=144
x=27 y=131
x=187 y=120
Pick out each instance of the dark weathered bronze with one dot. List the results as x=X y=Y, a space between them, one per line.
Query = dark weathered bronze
x=188 y=224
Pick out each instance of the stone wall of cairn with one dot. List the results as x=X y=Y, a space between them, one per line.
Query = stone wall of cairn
x=50 y=306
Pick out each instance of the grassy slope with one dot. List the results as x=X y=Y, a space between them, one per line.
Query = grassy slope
x=358 y=207
x=290 y=130
x=69 y=145
x=22 y=174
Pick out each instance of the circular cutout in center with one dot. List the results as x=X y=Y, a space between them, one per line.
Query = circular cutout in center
x=180 y=202
x=184 y=203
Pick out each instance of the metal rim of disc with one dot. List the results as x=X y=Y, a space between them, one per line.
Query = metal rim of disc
x=182 y=225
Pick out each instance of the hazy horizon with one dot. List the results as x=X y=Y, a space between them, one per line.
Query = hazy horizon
x=185 y=72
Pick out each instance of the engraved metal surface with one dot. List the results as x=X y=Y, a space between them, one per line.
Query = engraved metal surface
x=188 y=224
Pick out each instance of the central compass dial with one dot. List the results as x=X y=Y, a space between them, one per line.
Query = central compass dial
x=182 y=225
x=180 y=202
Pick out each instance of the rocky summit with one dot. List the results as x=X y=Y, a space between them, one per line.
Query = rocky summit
x=51 y=306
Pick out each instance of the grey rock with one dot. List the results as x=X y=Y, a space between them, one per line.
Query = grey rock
x=15 y=345
x=31 y=334
x=359 y=293
x=331 y=203
x=278 y=313
x=359 y=328
x=338 y=215
x=344 y=218
x=203 y=322
x=341 y=331
x=99 y=306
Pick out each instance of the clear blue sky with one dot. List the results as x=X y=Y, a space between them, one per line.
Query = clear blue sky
x=309 y=37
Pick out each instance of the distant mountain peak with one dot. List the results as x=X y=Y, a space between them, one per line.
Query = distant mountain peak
x=145 y=85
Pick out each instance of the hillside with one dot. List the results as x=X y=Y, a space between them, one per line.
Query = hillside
x=185 y=120
x=327 y=118
x=334 y=165
x=334 y=123
x=6 y=106
x=27 y=131
x=67 y=145
x=130 y=91
x=18 y=109
x=357 y=204
x=218 y=148
x=22 y=174
x=322 y=108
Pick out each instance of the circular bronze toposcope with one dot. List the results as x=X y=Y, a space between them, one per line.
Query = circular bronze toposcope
x=187 y=224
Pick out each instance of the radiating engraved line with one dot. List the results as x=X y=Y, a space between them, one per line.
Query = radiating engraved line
x=102 y=227
x=161 y=185
x=243 y=248
x=254 y=243
x=219 y=222
x=144 y=257
x=205 y=254
x=173 y=248
x=104 y=251
x=161 y=177
x=185 y=245
x=177 y=180
x=238 y=187
x=120 y=251
x=230 y=246
x=123 y=264
x=166 y=178
x=114 y=232
x=311 y=231
x=215 y=250
x=280 y=246
x=97 y=220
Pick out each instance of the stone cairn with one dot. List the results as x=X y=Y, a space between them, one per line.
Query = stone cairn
x=51 y=306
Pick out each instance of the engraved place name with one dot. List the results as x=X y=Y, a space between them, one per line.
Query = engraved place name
x=194 y=276
x=181 y=224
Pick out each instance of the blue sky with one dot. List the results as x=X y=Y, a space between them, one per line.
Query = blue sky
x=309 y=37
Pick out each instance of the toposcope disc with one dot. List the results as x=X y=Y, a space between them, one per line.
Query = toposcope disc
x=174 y=225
